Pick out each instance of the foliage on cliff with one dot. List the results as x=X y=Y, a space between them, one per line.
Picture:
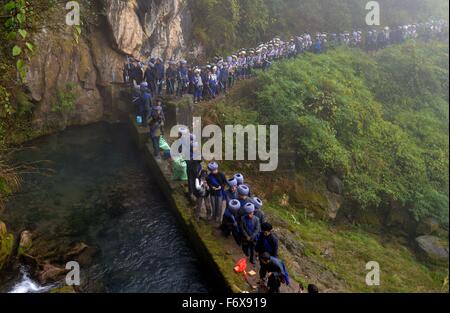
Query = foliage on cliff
x=232 y=24
x=380 y=122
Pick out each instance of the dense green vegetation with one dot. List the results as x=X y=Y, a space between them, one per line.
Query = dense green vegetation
x=232 y=24
x=350 y=248
x=380 y=122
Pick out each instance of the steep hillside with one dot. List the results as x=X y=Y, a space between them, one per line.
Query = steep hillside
x=363 y=165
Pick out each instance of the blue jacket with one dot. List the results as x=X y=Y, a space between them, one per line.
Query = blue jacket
x=267 y=244
x=159 y=71
x=250 y=228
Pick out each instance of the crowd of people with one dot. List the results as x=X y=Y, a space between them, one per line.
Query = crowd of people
x=179 y=78
x=230 y=202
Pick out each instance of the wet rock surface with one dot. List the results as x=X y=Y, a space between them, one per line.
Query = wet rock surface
x=335 y=185
x=432 y=249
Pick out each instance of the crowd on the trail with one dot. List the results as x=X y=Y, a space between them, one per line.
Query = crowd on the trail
x=178 y=78
x=229 y=201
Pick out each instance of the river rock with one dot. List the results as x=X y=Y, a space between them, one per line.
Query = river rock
x=432 y=248
x=76 y=250
x=26 y=241
x=334 y=204
x=335 y=185
x=82 y=253
x=50 y=273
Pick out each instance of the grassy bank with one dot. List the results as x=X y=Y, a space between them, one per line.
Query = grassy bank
x=345 y=250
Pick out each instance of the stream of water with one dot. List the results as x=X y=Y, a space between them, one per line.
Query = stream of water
x=102 y=194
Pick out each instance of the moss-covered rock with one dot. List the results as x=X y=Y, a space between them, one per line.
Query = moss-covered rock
x=432 y=249
x=6 y=245
x=63 y=289
x=26 y=242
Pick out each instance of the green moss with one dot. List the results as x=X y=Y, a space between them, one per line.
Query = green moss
x=64 y=289
x=353 y=248
x=6 y=247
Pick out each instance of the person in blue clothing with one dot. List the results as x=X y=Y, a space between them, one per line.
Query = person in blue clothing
x=137 y=75
x=182 y=79
x=318 y=45
x=243 y=191
x=213 y=82
x=274 y=270
x=158 y=103
x=223 y=78
x=156 y=123
x=205 y=78
x=257 y=202
x=171 y=78
x=150 y=76
x=231 y=193
x=240 y=178
x=267 y=241
x=216 y=181
x=159 y=75
x=229 y=221
x=144 y=102
x=197 y=82
x=249 y=229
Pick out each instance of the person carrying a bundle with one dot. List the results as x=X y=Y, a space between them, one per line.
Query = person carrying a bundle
x=274 y=271
x=202 y=192
x=156 y=123
x=267 y=241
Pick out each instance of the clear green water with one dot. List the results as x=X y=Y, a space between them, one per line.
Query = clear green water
x=102 y=194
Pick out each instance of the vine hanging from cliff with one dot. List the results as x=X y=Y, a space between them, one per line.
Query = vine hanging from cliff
x=16 y=25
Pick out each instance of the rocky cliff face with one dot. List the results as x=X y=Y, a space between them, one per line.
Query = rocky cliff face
x=63 y=69
x=145 y=28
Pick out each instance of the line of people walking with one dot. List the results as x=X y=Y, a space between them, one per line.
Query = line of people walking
x=206 y=82
x=231 y=203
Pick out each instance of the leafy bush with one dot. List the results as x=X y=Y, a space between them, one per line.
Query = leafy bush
x=380 y=122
